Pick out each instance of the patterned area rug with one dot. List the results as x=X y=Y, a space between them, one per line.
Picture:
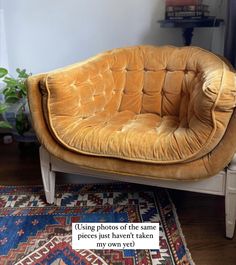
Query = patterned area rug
x=33 y=232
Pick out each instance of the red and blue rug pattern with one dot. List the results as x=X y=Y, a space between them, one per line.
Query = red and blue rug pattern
x=33 y=232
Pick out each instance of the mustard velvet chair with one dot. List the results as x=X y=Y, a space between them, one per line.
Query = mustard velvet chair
x=162 y=116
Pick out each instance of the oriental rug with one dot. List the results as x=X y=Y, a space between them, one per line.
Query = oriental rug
x=34 y=232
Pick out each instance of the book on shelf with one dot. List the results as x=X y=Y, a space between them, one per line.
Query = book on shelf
x=183 y=2
x=184 y=18
x=187 y=8
x=187 y=15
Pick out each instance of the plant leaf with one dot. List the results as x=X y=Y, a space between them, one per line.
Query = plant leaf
x=5 y=125
x=3 y=72
x=3 y=108
x=22 y=122
x=11 y=99
x=22 y=73
x=10 y=81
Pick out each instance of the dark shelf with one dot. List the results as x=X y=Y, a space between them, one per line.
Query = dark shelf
x=188 y=25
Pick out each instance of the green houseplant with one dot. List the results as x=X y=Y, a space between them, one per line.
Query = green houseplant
x=15 y=107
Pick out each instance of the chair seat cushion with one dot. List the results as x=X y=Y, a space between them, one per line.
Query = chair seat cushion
x=143 y=137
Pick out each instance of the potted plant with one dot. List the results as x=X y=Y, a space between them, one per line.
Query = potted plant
x=15 y=110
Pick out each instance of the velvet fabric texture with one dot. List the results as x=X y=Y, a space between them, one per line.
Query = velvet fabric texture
x=161 y=112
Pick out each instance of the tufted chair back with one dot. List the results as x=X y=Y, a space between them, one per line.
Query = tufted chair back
x=181 y=82
x=182 y=98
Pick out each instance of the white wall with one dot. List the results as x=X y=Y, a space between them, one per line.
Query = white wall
x=3 y=45
x=46 y=34
x=212 y=38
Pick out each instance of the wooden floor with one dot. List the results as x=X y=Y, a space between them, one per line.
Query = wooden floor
x=201 y=216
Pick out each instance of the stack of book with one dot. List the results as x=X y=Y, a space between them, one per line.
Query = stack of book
x=186 y=9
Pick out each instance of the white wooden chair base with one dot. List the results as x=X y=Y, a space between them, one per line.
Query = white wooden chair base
x=223 y=183
x=48 y=175
x=230 y=198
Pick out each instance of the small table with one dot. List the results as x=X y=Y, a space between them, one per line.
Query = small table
x=188 y=25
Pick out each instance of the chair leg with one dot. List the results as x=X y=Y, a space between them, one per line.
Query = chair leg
x=230 y=199
x=48 y=176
